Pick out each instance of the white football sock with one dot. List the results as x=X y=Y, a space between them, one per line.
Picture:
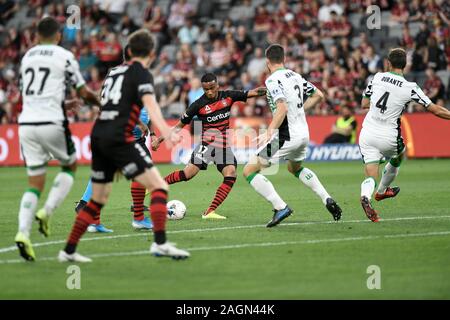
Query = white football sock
x=367 y=187
x=61 y=186
x=265 y=188
x=389 y=174
x=310 y=179
x=28 y=206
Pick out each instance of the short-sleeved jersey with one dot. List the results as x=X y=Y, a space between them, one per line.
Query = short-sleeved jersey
x=121 y=100
x=389 y=94
x=294 y=89
x=46 y=71
x=214 y=115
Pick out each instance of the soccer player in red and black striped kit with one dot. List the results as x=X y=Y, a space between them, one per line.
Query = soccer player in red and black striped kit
x=213 y=110
x=126 y=90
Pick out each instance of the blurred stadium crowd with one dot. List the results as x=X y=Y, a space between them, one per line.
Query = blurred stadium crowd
x=327 y=41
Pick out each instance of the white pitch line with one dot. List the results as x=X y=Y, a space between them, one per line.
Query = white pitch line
x=140 y=234
x=251 y=245
x=314 y=241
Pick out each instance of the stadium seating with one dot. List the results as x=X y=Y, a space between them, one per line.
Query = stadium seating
x=206 y=13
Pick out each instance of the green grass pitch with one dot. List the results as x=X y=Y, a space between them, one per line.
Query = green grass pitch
x=305 y=257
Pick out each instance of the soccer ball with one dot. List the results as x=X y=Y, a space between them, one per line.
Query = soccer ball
x=176 y=210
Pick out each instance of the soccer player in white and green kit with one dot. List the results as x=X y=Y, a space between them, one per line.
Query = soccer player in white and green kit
x=387 y=96
x=287 y=137
x=46 y=71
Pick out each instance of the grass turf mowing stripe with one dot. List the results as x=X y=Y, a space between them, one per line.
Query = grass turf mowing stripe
x=252 y=245
x=42 y=244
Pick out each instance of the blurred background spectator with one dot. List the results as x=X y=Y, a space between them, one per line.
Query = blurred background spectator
x=344 y=130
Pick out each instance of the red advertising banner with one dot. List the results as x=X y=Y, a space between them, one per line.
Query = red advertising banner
x=426 y=137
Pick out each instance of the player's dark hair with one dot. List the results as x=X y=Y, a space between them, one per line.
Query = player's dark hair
x=48 y=28
x=397 y=58
x=126 y=55
x=275 y=53
x=209 y=77
x=140 y=43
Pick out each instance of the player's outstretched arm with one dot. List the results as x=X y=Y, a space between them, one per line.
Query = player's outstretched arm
x=156 y=142
x=439 y=111
x=257 y=92
x=155 y=114
x=88 y=95
x=314 y=99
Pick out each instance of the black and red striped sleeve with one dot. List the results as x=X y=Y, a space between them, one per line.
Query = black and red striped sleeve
x=191 y=112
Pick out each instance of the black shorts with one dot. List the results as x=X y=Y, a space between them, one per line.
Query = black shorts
x=132 y=159
x=203 y=154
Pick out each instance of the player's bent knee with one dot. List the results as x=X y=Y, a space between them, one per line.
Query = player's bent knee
x=189 y=174
x=69 y=169
x=248 y=170
x=292 y=169
x=396 y=162
x=190 y=171
x=371 y=170
x=73 y=167
x=232 y=174
x=160 y=185
x=37 y=182
x=37 y=186
x=229 y=171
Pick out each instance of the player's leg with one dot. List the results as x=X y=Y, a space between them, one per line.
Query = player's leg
x=369 y=146
x=186 y=174
x=86 y=216
x=265 y=188
x=96 y=226
x=85 y=198
x=28 y=206
x=226 y=164
x=145 y=207
x=390 y=172
x=196 y=164
x=62 y=184
x=367 y=189
x=103 y=165
x=310 y=179
x=147 y=175
x=36 y=159
x=138 y=193
x=229 y=178
x=152 y=180
x=140 y=221
x=57 y=141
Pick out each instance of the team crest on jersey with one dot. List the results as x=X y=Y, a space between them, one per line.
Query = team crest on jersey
x=224 y=102
x=208 y=109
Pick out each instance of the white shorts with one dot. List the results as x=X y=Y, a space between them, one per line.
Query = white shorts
x=376 y=147
x=293 y=150
x=41 y=143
